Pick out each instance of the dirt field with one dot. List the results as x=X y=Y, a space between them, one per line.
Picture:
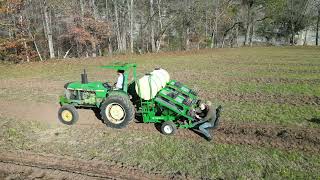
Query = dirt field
x=24 y=165
x=282 y=137
x=270 y=125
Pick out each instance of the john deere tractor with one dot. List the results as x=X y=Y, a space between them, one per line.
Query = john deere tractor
x=153 y=98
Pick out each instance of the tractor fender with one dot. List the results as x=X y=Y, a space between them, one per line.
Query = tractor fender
x=117 y=92
x=111 y=93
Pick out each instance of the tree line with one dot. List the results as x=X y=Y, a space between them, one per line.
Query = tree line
x=32 y=30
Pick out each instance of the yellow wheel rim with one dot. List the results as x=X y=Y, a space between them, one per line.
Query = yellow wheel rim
x=66 y=115
x=115 y=113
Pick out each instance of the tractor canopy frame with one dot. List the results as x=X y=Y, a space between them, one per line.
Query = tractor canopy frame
x=126 y=67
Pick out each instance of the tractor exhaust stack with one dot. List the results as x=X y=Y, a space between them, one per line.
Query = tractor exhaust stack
x=84 y=77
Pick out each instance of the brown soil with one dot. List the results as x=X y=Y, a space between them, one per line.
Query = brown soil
x=269 y=63
x=26 y=165
x=54 y=89
x=270 y=136
x=294 y=71
x=269 y=98
x=271 y=80
x=281 y=137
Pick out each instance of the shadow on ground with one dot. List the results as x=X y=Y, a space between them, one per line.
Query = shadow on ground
x=314 y=120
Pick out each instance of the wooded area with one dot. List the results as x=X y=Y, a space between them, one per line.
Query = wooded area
x=32 y=30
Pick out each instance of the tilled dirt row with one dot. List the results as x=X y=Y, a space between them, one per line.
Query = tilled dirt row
x=293 y=63
x=264 y=80
x=26 y=165
x=280 y=137
x=53 y=89
x=294 y=71
x=254 y=134
x=269 y=98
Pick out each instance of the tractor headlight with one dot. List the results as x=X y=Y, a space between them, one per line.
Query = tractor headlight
x=67 y=93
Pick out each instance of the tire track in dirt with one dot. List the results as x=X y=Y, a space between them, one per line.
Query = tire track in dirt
x=69 y=168
x=291 y=71
x=281 y=137
x=269 y=136
x=261 y=97
x=256 y=135
x=269 y=98
x=268 y=63
x=269 y=80
x=260 y=135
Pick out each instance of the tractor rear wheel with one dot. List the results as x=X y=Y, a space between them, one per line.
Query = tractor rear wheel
x=68 y=114
x=117 y=111
x=168 y=128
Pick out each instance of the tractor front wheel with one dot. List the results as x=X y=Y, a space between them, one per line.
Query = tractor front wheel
x=117 y=111
x=68 y=114
x=168 y=128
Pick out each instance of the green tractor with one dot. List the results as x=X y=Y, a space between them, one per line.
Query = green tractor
x=154 y=98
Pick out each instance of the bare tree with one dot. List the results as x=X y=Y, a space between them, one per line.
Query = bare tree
x=81 y=10
x=214 y=37
x=117 y=25
x=318 y=22
x=248 y=6
x=161 y=26
x=90 y=27
x=95 y=16
x=48 y=28
x=130 y=7
x=153 y=45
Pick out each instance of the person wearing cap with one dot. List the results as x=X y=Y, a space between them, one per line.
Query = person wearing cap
x=119 y=83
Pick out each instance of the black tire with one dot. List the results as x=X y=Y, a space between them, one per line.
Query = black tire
x=168 y=128
x=68 y=109
x=118 y=100
x=96 y=112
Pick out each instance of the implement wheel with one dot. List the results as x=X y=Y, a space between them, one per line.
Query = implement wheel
x=68 y=114
x=168 y=128
x=117 y=111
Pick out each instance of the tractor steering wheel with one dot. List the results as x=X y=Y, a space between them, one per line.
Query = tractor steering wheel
x=107 y=85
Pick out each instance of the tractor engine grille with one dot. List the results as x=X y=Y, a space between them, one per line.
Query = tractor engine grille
x=86 y=97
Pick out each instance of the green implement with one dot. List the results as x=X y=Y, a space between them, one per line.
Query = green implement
x=153 y=98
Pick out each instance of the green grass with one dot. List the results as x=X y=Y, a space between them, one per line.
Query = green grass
x=283 y=89
x=265 y=88
x=221 y=58
x=283 y=114
x=154 y=152
x=268 y=74
x=220 y=71
x=211 y=72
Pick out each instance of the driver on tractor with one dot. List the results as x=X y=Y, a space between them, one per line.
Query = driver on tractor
x=119 y=83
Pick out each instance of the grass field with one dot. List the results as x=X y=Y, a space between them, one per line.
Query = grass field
x=153 y=152
x=273 y=86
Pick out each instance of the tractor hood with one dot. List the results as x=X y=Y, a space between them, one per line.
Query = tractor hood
x=91 y=86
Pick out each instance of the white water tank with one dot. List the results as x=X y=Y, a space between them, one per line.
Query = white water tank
x=162 y=76
x=152 y=83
